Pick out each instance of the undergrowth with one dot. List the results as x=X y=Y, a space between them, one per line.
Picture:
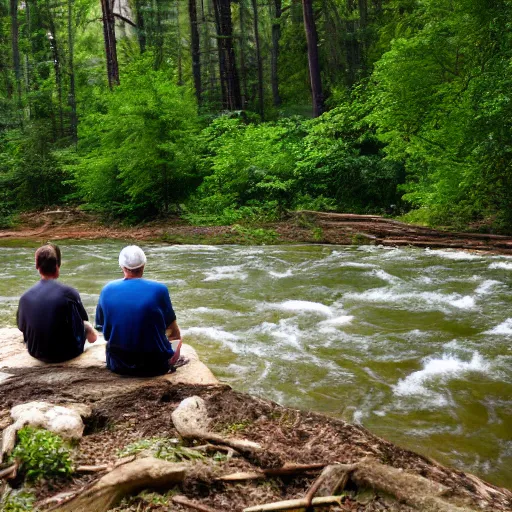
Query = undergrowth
x=42 y=454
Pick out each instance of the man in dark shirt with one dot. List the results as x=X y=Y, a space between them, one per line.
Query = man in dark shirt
x=138 y=321
x=51 y=315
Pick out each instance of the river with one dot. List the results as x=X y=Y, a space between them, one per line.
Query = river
x=413 y=344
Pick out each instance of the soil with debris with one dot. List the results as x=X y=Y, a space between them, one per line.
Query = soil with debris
x=298 y=227
x=121 y=418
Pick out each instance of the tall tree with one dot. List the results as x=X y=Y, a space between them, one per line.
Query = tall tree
x=195 y=48
x=230 y=83
x=16 y=50
x=274 y=56
x=313 y=60
x=71 y=71
x=109 y=34
x=258 y=59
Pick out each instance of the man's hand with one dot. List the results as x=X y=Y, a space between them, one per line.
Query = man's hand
x=173 y=331
x=90 y=332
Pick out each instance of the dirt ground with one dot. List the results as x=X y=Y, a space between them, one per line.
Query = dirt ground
x=287 y=436
x=299 y=227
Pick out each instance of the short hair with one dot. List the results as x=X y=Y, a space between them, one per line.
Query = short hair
x=48 y=259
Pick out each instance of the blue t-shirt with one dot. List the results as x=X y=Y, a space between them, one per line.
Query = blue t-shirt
x=133 y=315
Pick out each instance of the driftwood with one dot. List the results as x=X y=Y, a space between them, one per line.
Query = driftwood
x=181 y=500
x=286 y=469
x=122 y=481
x=191 y=421
x=414 y=490
x=296 y=504
x=9 y=472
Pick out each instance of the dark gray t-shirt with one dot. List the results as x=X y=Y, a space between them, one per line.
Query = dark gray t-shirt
x=51 y=317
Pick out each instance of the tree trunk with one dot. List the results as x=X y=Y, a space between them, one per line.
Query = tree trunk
x=141 y=29
x=227 y=61
x=71 y=70
x=274 y=57
x=159 y=35
x=313 y=60
x=57 y=68
x=363 y=23
x=109 y=34
x=243 y=39
x=16 y=50
x=178 y=37
x=195 y=48
x=258 y=60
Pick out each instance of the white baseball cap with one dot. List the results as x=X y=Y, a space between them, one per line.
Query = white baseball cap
x=132 y=257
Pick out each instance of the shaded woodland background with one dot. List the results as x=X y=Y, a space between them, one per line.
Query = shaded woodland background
x=229 y=111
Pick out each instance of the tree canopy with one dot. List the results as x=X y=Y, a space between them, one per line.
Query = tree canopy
x=229 y=110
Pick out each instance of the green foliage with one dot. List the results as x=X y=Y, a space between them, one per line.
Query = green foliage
x=256 y=236
x=162 y=448
x=342 y=165
x=420 y=114
x=237 y=427
x=137 y=151
x=42 y=455
x=248 y=165
x=437 y=97
x=17 y=501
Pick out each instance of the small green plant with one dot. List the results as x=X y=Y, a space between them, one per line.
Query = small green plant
x=42 y=454
x=318 y=234
x=162 y=448
x=239 y=426
x=145 y=500
x=255 y=235
x=17 y=501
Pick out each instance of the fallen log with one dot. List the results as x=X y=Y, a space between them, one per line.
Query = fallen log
x=125 y=480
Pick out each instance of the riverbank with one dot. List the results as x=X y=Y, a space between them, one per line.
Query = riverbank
x=299 y=227
x=132 y=416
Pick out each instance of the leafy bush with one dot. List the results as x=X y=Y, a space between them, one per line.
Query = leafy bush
x=17 y=501
x=137 y=153
x=41 y=454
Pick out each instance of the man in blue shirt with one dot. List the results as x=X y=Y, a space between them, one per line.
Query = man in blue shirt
x=134 y=315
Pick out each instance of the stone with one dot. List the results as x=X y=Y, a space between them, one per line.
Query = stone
x=63 y=421
x=191 y=417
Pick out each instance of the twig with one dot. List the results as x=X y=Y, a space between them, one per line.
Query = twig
x=9 y=472
x=181 y=500
x=295 y=504
x=312 y=490
x=92 y=469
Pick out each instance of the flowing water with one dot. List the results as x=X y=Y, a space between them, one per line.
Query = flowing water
x=413 y=344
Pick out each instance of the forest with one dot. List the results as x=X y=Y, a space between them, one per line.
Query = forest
x=228 y=111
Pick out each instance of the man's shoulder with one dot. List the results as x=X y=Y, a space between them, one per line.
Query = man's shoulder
x=113 y=284
x=65 y=289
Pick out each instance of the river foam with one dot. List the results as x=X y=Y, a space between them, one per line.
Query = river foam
x=505 y=328
x=503 y=265
x=453 y=255
x=303 y=306
x=446 y=367
x=431 y=299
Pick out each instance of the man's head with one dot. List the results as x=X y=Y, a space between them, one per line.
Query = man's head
x=132 y=260
x=48 y=261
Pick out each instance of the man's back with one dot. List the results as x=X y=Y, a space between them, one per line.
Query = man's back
x=133 y=314
x=51 y=317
